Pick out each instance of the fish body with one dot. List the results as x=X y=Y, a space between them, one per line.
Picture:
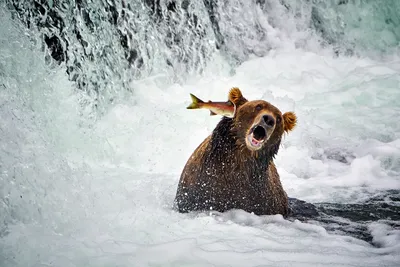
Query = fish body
x=226 y=109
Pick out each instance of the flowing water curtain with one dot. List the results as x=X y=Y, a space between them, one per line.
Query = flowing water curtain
x=107 y=44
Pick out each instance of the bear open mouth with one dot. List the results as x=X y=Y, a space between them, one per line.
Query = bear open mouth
x=257 y=136
x=259 y=133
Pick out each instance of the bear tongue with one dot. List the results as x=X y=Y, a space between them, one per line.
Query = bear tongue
x=254 y=141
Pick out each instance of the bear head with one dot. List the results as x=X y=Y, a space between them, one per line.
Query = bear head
x=258 y=124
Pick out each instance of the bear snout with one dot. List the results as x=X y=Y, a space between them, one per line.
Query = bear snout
x=269 y=121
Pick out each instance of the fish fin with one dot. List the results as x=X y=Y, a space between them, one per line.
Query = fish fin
x=236 y=97
x=195 y=102
x=212 y=113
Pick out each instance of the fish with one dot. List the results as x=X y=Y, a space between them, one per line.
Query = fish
x=226 y=109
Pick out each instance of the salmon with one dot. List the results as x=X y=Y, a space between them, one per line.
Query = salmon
x=226 y=109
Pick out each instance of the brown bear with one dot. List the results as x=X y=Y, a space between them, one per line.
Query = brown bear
x=233 y=168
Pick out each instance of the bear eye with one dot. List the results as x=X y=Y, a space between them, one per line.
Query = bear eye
x=258 y=107
x=278 y=119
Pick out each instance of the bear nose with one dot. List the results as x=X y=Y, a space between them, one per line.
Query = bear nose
x=269 y=120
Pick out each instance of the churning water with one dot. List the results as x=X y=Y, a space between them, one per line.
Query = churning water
x=94 y=131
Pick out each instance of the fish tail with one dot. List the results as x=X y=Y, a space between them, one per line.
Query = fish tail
x=195 y=102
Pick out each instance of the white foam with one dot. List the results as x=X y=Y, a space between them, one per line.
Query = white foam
x=385 y=236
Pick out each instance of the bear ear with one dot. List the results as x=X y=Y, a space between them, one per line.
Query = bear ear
x=236 y=97
x=289 y=121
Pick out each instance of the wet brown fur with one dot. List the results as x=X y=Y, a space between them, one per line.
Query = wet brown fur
x=223 y=173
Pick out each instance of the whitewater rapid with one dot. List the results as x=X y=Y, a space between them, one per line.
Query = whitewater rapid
x=82 y=189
